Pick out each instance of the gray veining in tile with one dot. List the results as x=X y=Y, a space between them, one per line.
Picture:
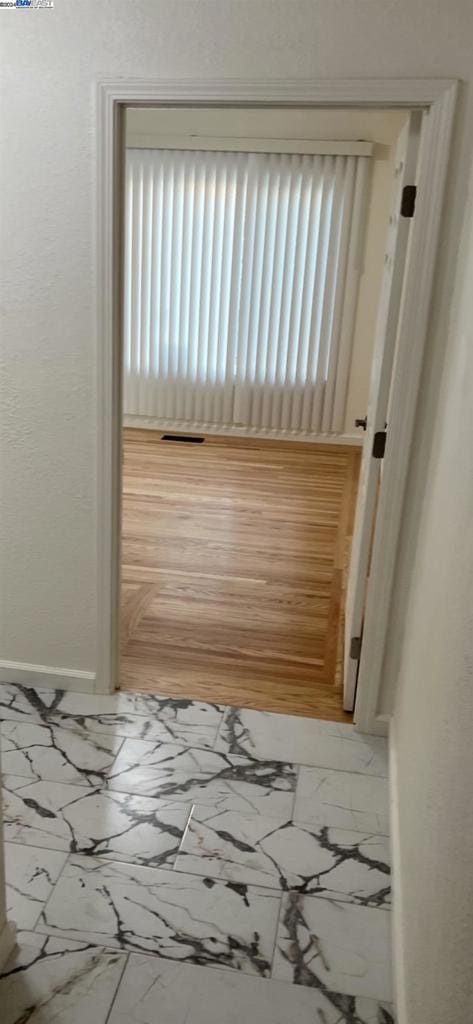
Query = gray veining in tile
x=47 y=752
x=111 y=780
x=322 y=943
x=154 y=990
x=220 y=780
x=255 y=850
x=30 y=875
x=343 y=799
x=174 y=915
x=48 y=979
x=263 y=735
x=145 y=716
x=120 y=826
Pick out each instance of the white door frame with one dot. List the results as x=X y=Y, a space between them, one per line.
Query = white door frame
x=377 y=410
x=437 y=98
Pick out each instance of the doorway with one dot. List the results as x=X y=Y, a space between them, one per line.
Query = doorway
x=252 y=271
x=443 y=113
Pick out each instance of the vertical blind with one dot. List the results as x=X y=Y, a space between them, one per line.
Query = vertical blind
x=241 y=275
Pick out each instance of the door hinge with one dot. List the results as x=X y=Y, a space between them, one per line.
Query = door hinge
x=379 y=444
x=355 y=648
x=408 y=200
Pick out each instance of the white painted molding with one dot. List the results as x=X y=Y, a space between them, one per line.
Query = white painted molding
x=379 y=725
x=341 y=92
x=437 y=97
x=44 y=675
x=109 y=189
x=397 y=892
x=7 y=942
x=412 y=333
x=317 y=147
x=181 y=427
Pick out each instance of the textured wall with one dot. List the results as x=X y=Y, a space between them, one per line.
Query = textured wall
x=51 y=61
x=433 y=711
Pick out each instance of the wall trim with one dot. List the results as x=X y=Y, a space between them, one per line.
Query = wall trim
x=7 y=942
x=412 y=329
x=236 y=144
x=222 y=430
x=397 y=891
x=44 y=675
x=437 y=98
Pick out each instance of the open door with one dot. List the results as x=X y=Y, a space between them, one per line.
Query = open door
x=378 y=405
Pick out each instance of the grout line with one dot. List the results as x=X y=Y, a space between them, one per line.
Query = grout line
x=226 y=708
x=105 y=783
x=184 y=833
x=296 y=787
x=45 y=904
x=89 y=734
x=257 y=978
x=329 y=768
x=11 y=911
x=119 y=750
x=119 y=984
x=276 y=936
x=112 y=858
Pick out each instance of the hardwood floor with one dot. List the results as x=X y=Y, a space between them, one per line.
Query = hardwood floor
x=233 y=565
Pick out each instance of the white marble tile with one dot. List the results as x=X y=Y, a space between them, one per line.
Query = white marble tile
x=140 y=715
x=17 y=782
x=255 y=850
x=305 y=741
x=223 y=781
x=47 y=752
x=154 y=990
x=322 y=943
x=177 y=916
x=119 y=826
x=343 y=799
x=30 y=875
x=50 y=980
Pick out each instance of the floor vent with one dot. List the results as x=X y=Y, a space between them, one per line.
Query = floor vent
x=185 y=438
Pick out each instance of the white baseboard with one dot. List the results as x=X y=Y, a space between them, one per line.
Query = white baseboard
x=376 y=725
x=397 y=890
x=44 y=675
x=179 y=426
x=7 y=942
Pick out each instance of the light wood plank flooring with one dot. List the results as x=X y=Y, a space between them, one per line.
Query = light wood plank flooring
x=233 y=563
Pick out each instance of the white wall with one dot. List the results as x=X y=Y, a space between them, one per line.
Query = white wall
x=146 y=126
x=50 y=63
x=433 y=708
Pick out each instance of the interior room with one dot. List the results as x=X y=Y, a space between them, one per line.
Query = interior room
x=235 y=625
x=254 y=245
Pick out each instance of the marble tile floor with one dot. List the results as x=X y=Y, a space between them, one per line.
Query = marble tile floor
x=192 y=864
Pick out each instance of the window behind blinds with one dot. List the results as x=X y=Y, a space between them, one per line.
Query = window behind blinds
x=241 y=274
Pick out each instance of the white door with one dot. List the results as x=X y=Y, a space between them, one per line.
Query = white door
x=377 y=414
